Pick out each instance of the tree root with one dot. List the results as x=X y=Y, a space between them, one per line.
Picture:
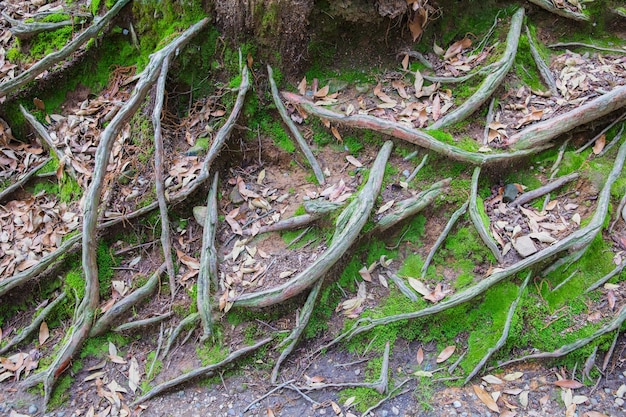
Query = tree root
x=602 y=132
x=199 y=372
x=408 y=293
x=34 y=326
x=394 y=393
x=303 y=319
x=22 y=180
x=208 y=262
x=612 y=325
x=616 y=271
x=543 y=68
x=540 y=133
x=317 y=170
x=442 y=237
x=189 y=320
x=51 y=59
x=137 y=324
x=505 y=332
x=410 y=207
x=587 y=45
x=543 y=190
x=267 y=394
x=105 y=322
x=579 y=238
x=488 y=121
x=491 y=81
x=49 y=143
x=348 y=227
x=86 y=311
x=477 y=220
x=417 y=169
x=159 y=157
x=409 y=134
x=24 y=30
x=564 y=12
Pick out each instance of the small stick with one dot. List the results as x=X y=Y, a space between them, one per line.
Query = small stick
x=417 y=169
x=190 y=319
x=618 y=212
x=23 y=180
x=543 y=68
x=149 y=375
x=559 y=158
x=548 y=188
x=488 y=121
x=565 y=281
x=602 y=132
x=478 y=221
x=505 y=331
x=142 y=323
x=267 y=394
x=317 y=170
x=201 y=371
x=408 y=293
x=302 y=394
x=612 y=143
x=297 y=238
x=390 y=395
x=616 y=271
x=442 y=237
x=609 y=353
x=586 y=45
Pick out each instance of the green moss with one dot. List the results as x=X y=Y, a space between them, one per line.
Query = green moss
x=106 y=262
x=210 y=353
x=352 y=144
x=312 y=234
x=14 y=55
x=156 y=368
x=75 y=283
x=60 y=394
x=525 y=67
x=98 y=347
x=47 y=42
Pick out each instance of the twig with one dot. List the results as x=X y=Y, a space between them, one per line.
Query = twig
x=505 y=331
x=417 y=169
x=149 y=375
x=317 y=170
x=616 y=271
x=565 y=281
x=543 y=68
x=488 y=121
x=477 y=219
x=22 y=180
x=51 y=59
x=208 y=262
x=302 y=394
x=442 y=237
x=421 y=58
x=392 y=394
x=602 y=132
x=580 y=237
x=201 y=371
x=559 y=158
x=618 y=212
x=565 y=349
x=267 y=394
x=292 y=340
x=545 y=189
x=561 y=11
x=159 y=157
x=298 y=238
x=586 y=45
x=408 y=293
x=491 y=81
x=132 y=325
x=24 y=30
x=191 y=319
x=34 y=326
x=609 y=353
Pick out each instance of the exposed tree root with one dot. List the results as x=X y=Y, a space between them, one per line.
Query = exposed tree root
x=417 y=169
x=505 y=332
x=348 y=227
x=24 y=30
x=616 y=271
x=409 y=134
x=294 y=336
x=561 y=11
x=208 y=262
x=488 y=121
x=612 y=325
x=442 y=237
x=187 y=321
x=34 y=326
x=586 y=45
x=137 y=324
x=408 y=293
x=540 y=133
x=317 y=170
x=394 y=393
x=267 y=394
x=543 y=190
x=159 y=158
x=477 y=219
x=491 y=81
x=86 y=311
x=199 y=372
x=106 y=321
x=52 y=59
x=20 y=182
x=579 y=238
x=543 y=68
x=48 y=142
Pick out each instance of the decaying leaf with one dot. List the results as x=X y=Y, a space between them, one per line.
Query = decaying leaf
x=599 y=144
x=365 y=274
x=533 y=116
x=385 y=206
x=486 y=398
x=491 y=379
x=354 y=161
x=568 y=383
x=133 y=374
x=457 y=47
x=420 y=356
x=437 y=294
x=513 y=376
x=44 y=333
x=418 y=286
x=446 y=353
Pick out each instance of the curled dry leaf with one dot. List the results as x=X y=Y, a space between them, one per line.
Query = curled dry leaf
x=457 y=47
x=513 y=376
x=418 y=286
x=446 y=353
x=365 y=274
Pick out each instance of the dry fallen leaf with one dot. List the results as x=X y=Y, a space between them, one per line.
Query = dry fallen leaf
x=322 y=92
x=365 y=274
x=513 y=376
x=457 y=47
x=446 y=353
x=599 y=144
x=354 y=161
x=420 y=356
x=491 y=379
x=385 y=207
x=405 y=62
x=418 y=286
x=44 y=333
x=568 y=383
x=133 y=374
x=486 y=398
x=302 y=87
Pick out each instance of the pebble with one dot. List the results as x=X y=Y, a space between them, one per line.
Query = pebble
x=357 y=371
x=395 y=410
x=607 y=390
x=241 y=388
x=181 y=393
x=384 y=413
x=457 y=404
x=619 y=402
x=231 y=412
x=32 y=409
x=406 y=173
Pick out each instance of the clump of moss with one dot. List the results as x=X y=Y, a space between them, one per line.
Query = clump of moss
x=47 y=42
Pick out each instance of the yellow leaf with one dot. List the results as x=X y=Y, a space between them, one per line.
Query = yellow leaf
x=336 y=134
x=405 y=62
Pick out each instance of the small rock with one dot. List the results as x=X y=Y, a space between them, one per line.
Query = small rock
x=194 y=151
x=235 y=197
x=457 y=404
x=619 y=402
x=32 y=409
x=357 y=371
x=231 y=412
x=181 y=393
x=607 y=390
x=406 y=173
x=510 y=193
x=395 y=410
x=384 y=413
x=199 y=213
x=241 y=388
x=621 y=391
x=524 y=246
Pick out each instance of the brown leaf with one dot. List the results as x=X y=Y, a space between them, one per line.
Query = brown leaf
x=436 y=108
x=416 y=25
x=405 y=62
x=594 y=414
x=39 y=104
x=354 y=161
x=568 y=383
x=234 y=225
x=457 y=47
x=269 y=412
x=610 y=296
x=437 y=295
x=322 y=92
x=486 y=398
x=420 y=356
x=599 y=145
x=533 y=116
x=365 y=274
x=187 y=260
x=302 y=87
x=446 y=353
x=336 y=134
x=44 y=333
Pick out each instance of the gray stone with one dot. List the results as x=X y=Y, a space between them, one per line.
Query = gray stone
x=235 y=197
x=395 y=410
x=524 y=246
x=510 y=193
x=195 y=151
x=406 y=173
x=241 y=388
x=32 y=409
x=457 y=404
x=199 y=213
x=384 y=413
x=619 y=402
